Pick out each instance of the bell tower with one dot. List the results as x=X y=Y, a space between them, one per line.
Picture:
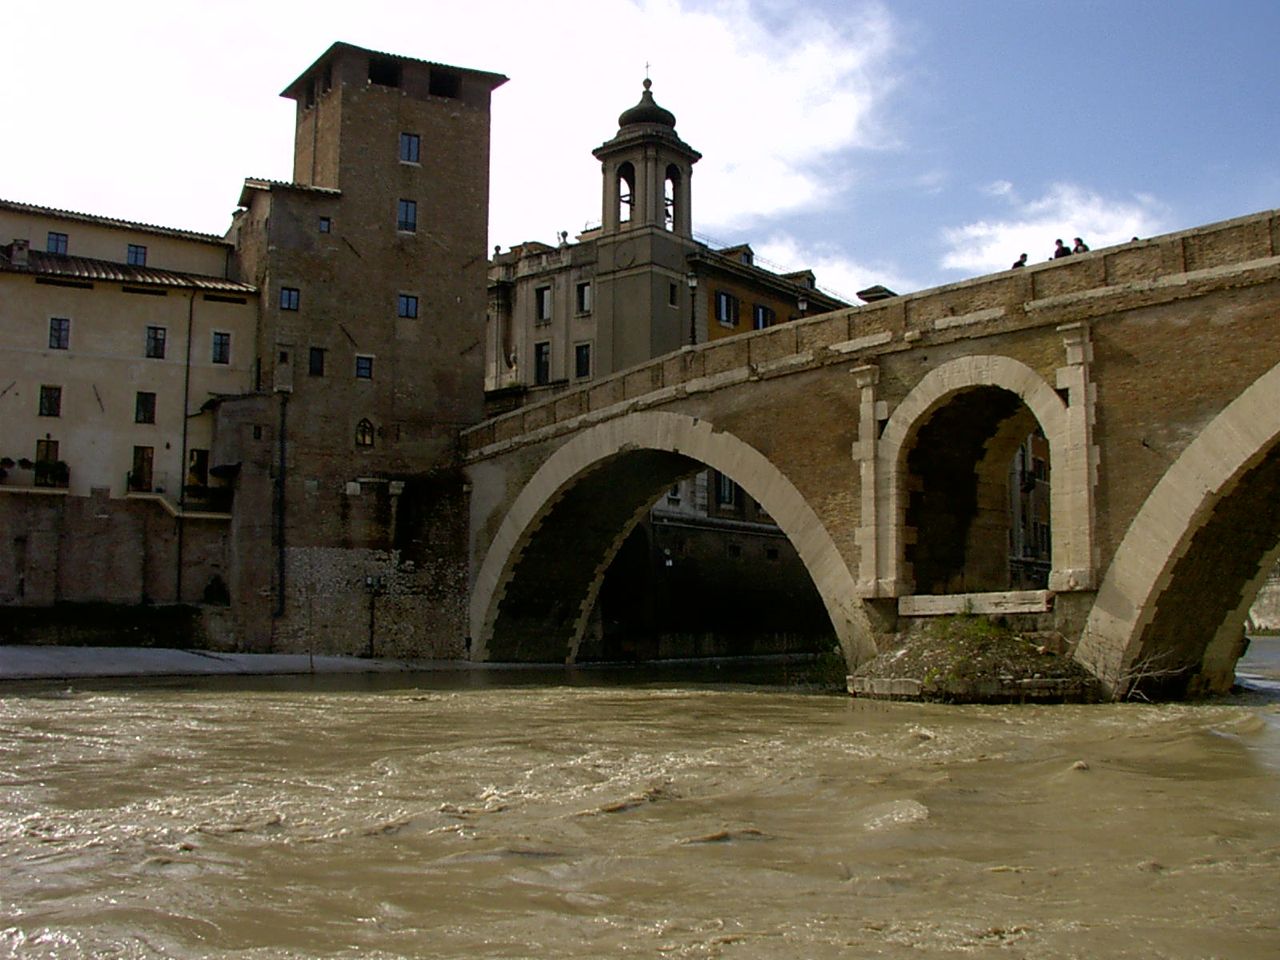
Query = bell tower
x=647 y=169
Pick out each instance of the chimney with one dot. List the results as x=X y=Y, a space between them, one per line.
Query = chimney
x=18 y=252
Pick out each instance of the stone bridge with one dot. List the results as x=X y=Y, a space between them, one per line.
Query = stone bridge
x=879 y=439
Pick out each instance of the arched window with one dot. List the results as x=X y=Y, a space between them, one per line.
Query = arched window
x=626 y=192
x=364 y=433
x=670 y=197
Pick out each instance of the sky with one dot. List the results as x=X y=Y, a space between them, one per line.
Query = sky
x=908 y=143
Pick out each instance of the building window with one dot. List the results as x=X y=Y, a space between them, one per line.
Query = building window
x=406 y=305
x=315 y=362
x=582 y=361
x=136 y=255
x=290 y=297
x=57 y=243
x=326 y=224
x=50 y=401
x=583 y=299
x=140 y=475
x=155 y=343
x=542 y=305
x=364 y=433
x=144 y=407
x=726 y=308
x=46 y=473
x=762 y=317
x=673 y=293
x=407 y=216
x=364 y=368
x=221 y=347
x=59 y=333
x=409 y=145
x=542 y=363
x=726 y=491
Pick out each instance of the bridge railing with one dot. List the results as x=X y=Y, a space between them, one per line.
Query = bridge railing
x=1003 y=301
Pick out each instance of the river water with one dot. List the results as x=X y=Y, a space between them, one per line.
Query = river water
x=507 y=815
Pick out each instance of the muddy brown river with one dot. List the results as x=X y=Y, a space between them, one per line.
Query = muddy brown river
x=516 y=815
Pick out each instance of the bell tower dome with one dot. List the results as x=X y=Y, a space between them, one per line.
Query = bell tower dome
x=647 y=170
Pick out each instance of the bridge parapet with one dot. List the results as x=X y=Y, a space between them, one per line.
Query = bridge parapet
x=1072 y=289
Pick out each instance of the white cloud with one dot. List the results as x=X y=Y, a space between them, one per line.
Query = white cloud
x=769 y=90
x=766 y=105
x=1066 y=210
x=836 y=273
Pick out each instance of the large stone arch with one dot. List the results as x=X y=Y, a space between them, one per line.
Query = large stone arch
x=1236 y=457
x=663 y=434
x=1065 y=426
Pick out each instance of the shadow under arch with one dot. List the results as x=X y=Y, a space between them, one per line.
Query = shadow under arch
x=1070 y=493
x=1172 y=604
x=591 y=492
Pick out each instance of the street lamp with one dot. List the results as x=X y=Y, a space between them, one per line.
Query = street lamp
x=802 y=304
x=692 y=280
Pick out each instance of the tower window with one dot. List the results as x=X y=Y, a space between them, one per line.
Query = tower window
x=673 y=293
x=445 y=83
x=726 y=308
x=136 y=255
x=364 y=433
x=221 y=347
x=542 y=363
x=50 y=401
x=289 y=298
x=410 y=144
x=406 y=305
x=542 y=304
x=315 y=362
x=155 y=343
x=626 y=192
x=407 y=216
x=671 y=197
x=326 y=224
x=384 y=71
x=364 y=368
x=56 y=243
x=59 y=333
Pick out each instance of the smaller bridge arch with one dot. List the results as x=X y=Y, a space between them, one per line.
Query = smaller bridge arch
x=531 y=602
x=1065 y=424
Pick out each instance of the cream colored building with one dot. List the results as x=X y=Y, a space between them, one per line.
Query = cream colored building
x=113 y=335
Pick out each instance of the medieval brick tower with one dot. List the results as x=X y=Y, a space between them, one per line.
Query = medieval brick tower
x=371 y=266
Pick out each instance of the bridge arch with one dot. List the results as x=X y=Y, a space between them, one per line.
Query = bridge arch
x=1004 y=380
x=616 y=469
x=1170 y=611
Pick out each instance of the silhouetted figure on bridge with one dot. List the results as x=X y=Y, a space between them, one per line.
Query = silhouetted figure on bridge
x=1061 y=250
x=1020 y=262
x=1080 y=247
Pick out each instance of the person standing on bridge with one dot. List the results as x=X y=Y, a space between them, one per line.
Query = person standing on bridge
x=1020 y=262
x=1080 y=247
x=1061 y=250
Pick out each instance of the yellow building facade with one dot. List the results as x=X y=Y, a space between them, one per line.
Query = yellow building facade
x=110 y=362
